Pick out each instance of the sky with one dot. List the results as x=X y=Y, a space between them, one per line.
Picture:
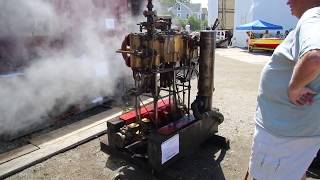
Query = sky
x=203 y=2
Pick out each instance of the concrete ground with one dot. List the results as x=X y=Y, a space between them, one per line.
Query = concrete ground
x=236 y=81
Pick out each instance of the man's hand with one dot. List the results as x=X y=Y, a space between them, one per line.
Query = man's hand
x=305 y=71
x=301 y=96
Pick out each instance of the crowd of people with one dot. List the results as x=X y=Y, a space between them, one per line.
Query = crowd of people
x=266 y=34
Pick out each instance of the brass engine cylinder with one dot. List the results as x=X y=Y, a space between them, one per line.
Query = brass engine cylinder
x=178 y=46
x=158 y=48
x=135 y=43
x=168 y=49
x=161 y=49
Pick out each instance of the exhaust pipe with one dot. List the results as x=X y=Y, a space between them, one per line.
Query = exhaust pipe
x=206 y=68
x=202 y=106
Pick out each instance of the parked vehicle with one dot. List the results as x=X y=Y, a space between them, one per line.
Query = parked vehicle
x=221 y=38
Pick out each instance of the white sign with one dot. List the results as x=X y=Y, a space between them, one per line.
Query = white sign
x=98 y=99
x=170 y=148
x=109 y=23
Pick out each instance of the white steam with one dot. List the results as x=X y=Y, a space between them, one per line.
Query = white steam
x=23 y=18
x=85 y=66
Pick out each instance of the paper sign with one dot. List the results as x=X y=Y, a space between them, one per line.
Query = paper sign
x=109 y=24
x=170 y=148
x=97 y=100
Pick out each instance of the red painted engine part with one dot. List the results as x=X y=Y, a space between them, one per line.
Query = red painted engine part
x=147 y=112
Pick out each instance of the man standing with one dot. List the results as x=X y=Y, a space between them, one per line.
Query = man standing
x=188 y=28
x=266 y=34
x=286 y=33
x=229 y=36
x=278 y=35
x=287 y=134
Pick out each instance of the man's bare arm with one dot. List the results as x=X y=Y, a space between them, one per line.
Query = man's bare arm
x=305 y=71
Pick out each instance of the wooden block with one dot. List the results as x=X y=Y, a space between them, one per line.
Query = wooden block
x=50 y=149
x=71 y=129
x=8 y=156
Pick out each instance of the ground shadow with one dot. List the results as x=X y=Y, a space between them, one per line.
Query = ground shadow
x=257 y=52
x=203 y=163
x=313 y=173
x=314 y=168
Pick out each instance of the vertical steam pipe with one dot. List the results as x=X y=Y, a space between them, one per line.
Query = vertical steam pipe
x=206 y=69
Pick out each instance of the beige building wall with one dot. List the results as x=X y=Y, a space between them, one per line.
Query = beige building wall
x=226 y=14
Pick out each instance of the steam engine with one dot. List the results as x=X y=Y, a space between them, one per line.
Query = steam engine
x=163 y=62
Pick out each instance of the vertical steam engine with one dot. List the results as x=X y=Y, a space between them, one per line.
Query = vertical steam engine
x=163 y=62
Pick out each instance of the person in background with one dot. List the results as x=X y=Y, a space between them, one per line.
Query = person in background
x=286 y=33
x=278 y=35
x=229 y=36
x=188 y=28
x=250 y=34
x=287 y=132
x=266 y=34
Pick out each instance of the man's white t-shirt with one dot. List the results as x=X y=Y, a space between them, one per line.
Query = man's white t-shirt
x=275 y=113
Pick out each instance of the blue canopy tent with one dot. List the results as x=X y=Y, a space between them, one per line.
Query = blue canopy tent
x=259 y=25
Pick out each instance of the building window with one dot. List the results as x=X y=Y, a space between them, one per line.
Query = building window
x=179 y=7
x=179 y=15
x=187 y=15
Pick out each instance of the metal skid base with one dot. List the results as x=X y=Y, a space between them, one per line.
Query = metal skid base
x=167 y=144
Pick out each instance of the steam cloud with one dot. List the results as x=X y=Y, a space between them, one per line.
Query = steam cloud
x=85 y=67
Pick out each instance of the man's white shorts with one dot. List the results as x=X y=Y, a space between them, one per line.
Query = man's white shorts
x=281 y=158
